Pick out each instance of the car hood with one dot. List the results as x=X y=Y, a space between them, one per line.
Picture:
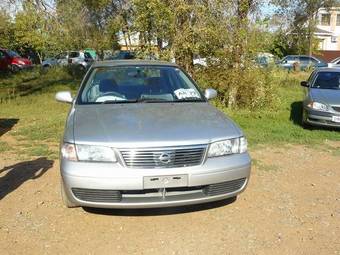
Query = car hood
x=328 y=96
x=151 y=124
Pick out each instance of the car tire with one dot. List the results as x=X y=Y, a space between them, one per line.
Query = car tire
x=64 y=197
x=14 y=69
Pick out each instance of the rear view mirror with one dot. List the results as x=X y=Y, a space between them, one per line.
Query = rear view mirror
x=64 y=96
x=304 y=84
x=210 y=94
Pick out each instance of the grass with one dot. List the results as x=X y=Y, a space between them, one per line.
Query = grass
x=281 y=124
x=40 y=119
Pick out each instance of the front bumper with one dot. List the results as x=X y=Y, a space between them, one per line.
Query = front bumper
x=216 y=179
x=317 y=118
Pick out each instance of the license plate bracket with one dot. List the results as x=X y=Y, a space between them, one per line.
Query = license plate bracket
x=165 y=181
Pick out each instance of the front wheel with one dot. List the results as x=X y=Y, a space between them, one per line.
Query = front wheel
x=64 y=197
x=14 y=69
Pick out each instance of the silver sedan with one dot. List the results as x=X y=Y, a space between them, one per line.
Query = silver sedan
x=141 y=134
x=321 y=106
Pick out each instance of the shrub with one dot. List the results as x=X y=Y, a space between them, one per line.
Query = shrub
x=250 y=87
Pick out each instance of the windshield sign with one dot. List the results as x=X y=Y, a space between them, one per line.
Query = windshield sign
x=132 y=84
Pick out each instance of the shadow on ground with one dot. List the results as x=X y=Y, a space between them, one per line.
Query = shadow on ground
x=296 y=113
x=6 y=125
x=161 y=211
x=17 y=174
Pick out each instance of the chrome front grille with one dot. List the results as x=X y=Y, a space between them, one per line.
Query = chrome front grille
x=165 y=157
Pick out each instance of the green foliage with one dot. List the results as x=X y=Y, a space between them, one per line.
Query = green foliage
x=30 y=30
x=250 y=87
x=6 y=30
x=38 y=81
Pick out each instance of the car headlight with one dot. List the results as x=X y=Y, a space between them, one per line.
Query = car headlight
x=20 y=62
x=84 y=152
x=227 y=147
x=318 y=106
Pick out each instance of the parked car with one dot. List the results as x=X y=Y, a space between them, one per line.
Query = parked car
x=141 y=134
x=122 y=54
x=80 y=58
x=12 y=61
x=334 y=63
x=265 y=59
x=304 y=62
x=321 y=106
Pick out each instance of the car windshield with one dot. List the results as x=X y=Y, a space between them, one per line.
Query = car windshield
x=13 y=54
x=135 y=84
x=327 y=80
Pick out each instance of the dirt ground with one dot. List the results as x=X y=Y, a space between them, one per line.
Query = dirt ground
x=291 y=206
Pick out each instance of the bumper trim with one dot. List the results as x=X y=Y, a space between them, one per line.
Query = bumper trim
x=166 y=201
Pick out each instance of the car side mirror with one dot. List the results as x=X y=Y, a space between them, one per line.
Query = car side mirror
x=304 y=84
x=64 y=96
x=210 y=94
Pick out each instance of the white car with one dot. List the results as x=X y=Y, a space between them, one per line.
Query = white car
x=80 y=58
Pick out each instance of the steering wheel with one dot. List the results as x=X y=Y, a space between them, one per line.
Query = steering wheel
x=111 y=93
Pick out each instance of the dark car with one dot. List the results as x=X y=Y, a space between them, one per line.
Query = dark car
x=303 y=61
x=321 y=106
x=12 y=61
x=122 y=54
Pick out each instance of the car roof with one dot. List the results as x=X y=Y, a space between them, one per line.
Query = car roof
x=300 y=56
x=110 y=63
x=328 y=69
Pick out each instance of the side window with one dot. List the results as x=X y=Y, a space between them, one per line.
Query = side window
x=73 y=54
x=291 y=59
x=313 y=60
x=61 y=55
x=305 y=59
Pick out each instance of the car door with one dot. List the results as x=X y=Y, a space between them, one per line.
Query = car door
x=305 y=62
x=289 y=61
x=61 y=59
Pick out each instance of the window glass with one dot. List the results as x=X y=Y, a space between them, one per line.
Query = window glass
x=73 y=54
x=12 y=54
x=138 y=84
x=325 y=20
x=61 y=55
x=327 y=80
x=338 y=19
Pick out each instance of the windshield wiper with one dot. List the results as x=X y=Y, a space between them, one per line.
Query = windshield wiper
x=153 y=100
x=189 y=100
x=119 y=101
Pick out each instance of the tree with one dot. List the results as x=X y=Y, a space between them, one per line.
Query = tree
x=301 y=16
x=30 y=30
x=6 y=30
